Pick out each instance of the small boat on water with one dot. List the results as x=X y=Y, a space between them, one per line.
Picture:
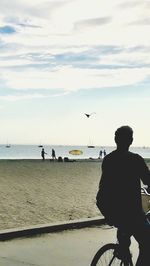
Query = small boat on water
x=8 y=146
x=91 y=146
x=40 y=146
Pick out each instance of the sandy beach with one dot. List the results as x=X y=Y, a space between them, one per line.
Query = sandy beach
x=35 y=192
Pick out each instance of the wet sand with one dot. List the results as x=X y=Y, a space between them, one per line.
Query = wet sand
x=35 y=192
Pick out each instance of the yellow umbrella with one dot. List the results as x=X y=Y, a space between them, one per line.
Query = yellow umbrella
x=76 y=152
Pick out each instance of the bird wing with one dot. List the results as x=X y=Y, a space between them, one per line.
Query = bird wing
x=87 y=115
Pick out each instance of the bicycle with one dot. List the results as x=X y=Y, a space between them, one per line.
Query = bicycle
x=113 y=254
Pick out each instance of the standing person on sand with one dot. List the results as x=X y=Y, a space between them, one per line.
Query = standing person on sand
x=43 y=154
x=100 y=154
x=104 y=152
x=53 y=154
x=119 y=195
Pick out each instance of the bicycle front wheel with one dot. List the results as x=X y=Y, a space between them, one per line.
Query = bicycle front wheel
x=106 y=256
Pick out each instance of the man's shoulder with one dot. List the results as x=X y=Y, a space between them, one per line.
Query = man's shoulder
x=135 y=155
x=115 y=154
x=109 y=157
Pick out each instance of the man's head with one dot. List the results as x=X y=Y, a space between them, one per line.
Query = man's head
x=124 y=137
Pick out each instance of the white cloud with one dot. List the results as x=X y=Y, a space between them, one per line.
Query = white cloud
x=27 y=96
x=47 y=28
x=70 y=79
x=126 y=58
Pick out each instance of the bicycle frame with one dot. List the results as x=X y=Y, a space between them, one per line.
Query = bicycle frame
x=118 y=251
x=146 y=202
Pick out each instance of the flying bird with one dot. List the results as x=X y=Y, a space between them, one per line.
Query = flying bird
x=88 y=115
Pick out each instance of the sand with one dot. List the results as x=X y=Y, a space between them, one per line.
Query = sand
x=34 y=192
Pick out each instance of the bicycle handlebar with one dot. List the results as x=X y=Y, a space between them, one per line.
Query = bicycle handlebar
x=144 y=191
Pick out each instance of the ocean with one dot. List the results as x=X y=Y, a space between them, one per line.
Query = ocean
x=34 y=151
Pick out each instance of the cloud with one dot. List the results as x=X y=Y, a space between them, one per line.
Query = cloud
x=7 y=30
x=70 y=79
x=25 y=96
x=15 y=9
x=21 y=22
x=72 y=45
x=130 y=4
x=134 y=4
x=90 y=57
x=92 y=22
x=66 y=69
x=142 y=22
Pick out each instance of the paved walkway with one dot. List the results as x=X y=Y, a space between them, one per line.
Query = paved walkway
x=68 y=248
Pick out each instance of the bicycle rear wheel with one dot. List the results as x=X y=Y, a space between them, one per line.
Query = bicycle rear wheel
x=106 y=256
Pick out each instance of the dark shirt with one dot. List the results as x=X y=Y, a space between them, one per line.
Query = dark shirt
x=122 y=173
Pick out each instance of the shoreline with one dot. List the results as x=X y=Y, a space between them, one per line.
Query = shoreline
x=51 y=161
x=55 y=161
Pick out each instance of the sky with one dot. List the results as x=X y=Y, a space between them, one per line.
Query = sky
x=62 y=59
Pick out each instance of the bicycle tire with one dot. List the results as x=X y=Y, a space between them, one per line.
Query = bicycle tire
x=105 y=256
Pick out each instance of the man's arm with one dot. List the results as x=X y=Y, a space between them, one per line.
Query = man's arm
x=145 y=173
x=103 y=168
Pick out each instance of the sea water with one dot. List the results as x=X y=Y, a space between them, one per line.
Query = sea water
x=34 y=151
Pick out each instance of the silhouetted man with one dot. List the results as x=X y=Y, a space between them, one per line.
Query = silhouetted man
x=119 y=195
x=43 y=154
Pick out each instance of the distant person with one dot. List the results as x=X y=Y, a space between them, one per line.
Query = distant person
x=53 y=154
x=119 y=194
x=43 y=154
x=100 y=154
x=104 y=152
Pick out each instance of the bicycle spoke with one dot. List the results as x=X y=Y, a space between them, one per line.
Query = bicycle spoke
x=109 y=259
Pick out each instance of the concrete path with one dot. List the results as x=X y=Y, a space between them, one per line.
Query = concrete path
x=67 y=248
